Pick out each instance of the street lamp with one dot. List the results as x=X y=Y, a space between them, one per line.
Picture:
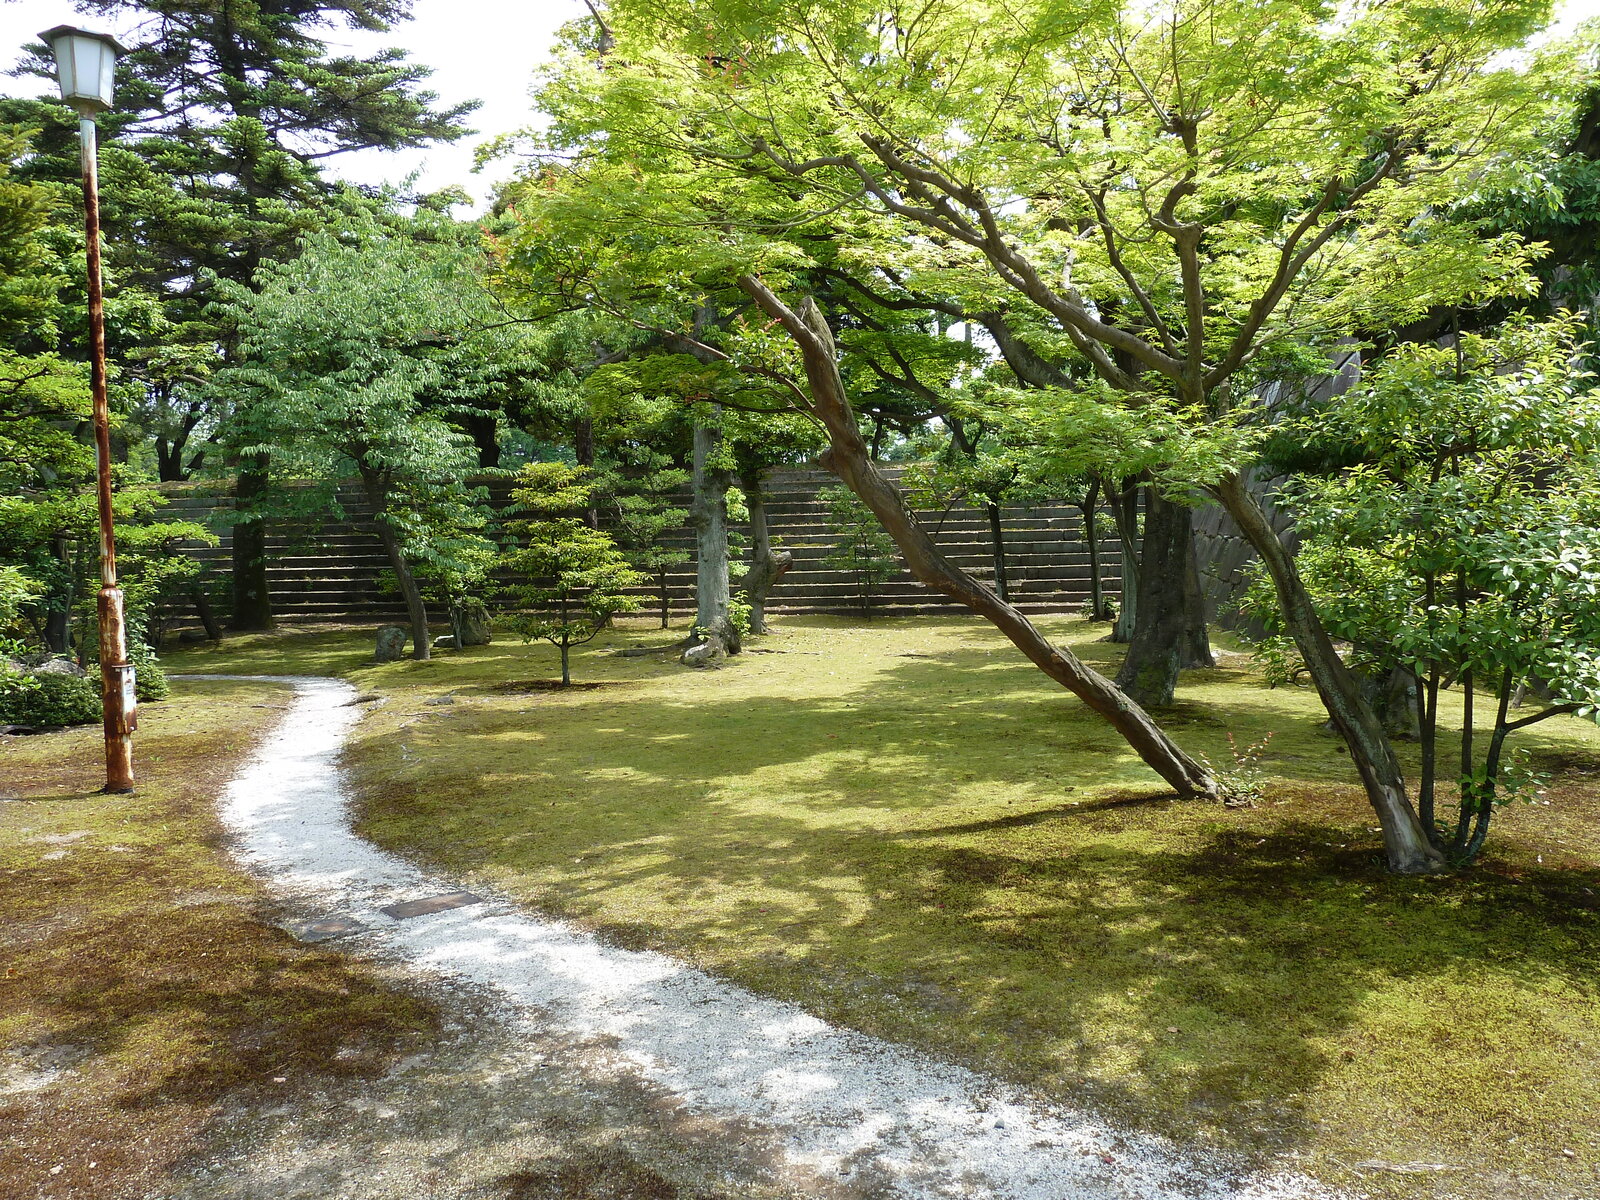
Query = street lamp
x=85 y=65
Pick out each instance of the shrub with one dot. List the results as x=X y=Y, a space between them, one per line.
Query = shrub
x=150 y=681
x=48 y=699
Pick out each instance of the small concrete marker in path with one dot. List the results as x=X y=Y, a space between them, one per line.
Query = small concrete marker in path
x=431 y=904
x=321 y=931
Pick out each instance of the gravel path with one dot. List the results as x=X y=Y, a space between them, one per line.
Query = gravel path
x=818 y=1110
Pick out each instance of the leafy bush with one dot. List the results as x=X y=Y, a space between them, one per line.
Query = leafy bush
x=48 y=699
x=150 y=681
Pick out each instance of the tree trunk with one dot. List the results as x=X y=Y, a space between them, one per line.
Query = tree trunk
x=1149 y=672
x=847 y=457
x=58 y=618
x=484 y=430
x=202 y=608
x=1125 y=516
x=1090 y=507
x=708 y=517
x=252 y=599
x=169 y=459
x=997 y=540
x=766 y=568
x=1406 y=842
x=583 y=451
x=377 y=489
x=1169 y=630
x=1196 y=647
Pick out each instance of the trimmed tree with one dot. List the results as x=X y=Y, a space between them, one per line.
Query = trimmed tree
x=574 y=579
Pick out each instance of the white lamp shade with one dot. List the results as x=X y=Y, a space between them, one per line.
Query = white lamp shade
x=85 y=66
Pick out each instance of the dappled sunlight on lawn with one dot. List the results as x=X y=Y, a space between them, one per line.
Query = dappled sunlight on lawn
x=912 y=832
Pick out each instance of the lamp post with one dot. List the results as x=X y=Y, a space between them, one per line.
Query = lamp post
x=85 y=65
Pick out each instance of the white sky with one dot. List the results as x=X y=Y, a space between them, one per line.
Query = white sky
x=479 y=49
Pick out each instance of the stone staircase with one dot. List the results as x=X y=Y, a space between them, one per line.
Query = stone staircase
x=333 y=570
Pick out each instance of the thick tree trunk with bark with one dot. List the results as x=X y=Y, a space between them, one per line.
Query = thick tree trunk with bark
x=1169 y=631
x=708 y=517
x=766 y=568
x=252 y=599
x=1406 y=842
x=1149 y=672
x=377 y=488
x=848 y=458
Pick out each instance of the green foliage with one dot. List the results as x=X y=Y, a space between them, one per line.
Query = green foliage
x=16 y=591
x=861 y=547
x=572 y=579
x=49 y=699
x=636 y=508
x=29 y=279
x=1465 y=547
x=149 y=679
x=362 y=355
x=211 y=163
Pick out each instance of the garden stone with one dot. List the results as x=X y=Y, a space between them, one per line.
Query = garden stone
x=59 y=666
x=708 y=653
x=391 y=643
x=445 y=641
x=470 y=625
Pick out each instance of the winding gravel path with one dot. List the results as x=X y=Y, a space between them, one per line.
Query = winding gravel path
x=841 y=1105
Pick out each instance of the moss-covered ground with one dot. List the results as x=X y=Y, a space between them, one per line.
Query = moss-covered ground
x=909 y=830
x=144 y=987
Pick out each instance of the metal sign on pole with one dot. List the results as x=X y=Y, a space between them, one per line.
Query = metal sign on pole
x=85 y=66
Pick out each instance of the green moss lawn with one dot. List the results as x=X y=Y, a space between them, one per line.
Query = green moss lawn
x=909 y=830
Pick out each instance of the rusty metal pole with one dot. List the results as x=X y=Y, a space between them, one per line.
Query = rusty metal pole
x=116 y=675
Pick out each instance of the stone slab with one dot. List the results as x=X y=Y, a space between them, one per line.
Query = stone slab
x=429 y=904
x=322 y=930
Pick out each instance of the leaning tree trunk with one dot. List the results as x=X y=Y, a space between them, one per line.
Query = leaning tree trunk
x=416 y=611
x=1406 y=842
x=202 y=608
x=252 y=598
x=708 y=517
x=766 y=568
x=848 y=458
